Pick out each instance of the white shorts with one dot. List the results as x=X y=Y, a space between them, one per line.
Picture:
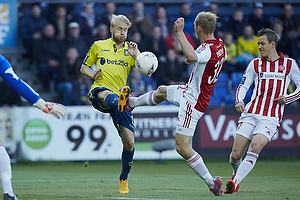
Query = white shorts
x=188 y=117
x=174 y=94
x=251 y=124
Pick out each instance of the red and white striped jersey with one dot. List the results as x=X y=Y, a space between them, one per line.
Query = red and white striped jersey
x=271 y=79
x=211 y=56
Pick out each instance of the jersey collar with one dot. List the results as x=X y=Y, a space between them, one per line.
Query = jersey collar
x=115 y=45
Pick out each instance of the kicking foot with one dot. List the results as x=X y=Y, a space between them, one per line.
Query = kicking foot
x=217 y=190
x=230 y=186
x=124 y=94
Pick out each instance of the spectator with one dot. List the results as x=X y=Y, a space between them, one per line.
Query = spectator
x=171 y=71
x=173 y=43
x=186 y=13
x=290 y=21
x=110 y=8
x=283 y=42
x=136 y=37
x=137 y=83
x=74 y=39
x=214 y=8
x=60 y=21
x=247 y=45
x=291 y=29
x=67 y=82
x=156 y=43
x=87 y=21
x=48 y=52
x=140 y=20
x=164 y=21
x=258 y=19
x=31 y=28
x=236 y=23
x=84 y=86
x=8 y=97
x=231 y=63
x=102 y=33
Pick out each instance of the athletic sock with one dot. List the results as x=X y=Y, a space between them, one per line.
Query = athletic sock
x=235 y=164
x=197 y=165
x=112 y=100
x=127 y=161
x=245 y=167
x=143 y=100
x=5 y=172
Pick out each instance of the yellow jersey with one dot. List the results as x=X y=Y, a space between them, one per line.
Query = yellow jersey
x=231 y=51
x=115 y=64
x=246 y=46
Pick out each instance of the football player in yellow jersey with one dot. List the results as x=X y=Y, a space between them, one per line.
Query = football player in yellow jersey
x=114 y=58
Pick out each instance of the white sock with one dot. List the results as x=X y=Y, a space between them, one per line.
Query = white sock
x=235 y=164
x=5 y=172
x=245 y=167
x=197 y=165
x=143 y=100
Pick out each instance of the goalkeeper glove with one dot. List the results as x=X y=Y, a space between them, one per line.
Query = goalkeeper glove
x=55 y=109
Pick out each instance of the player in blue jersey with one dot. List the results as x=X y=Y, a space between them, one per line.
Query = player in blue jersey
x=23 y=89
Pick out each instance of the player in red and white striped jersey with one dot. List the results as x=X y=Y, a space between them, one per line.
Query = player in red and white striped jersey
x=193 y=98
x=260 y=118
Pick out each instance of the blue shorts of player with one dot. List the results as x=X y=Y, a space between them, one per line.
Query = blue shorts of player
x=119 y=118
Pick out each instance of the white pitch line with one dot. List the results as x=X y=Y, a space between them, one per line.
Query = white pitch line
x=124 y=198
x=129 y=198
x=71 y=180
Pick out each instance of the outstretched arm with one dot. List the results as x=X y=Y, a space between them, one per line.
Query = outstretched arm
x=55 y=109
x=24 y=90
x=186 y=47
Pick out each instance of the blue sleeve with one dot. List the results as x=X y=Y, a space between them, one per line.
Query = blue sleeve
x=17 y=84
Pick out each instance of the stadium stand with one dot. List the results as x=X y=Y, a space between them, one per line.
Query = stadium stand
x=225 y=87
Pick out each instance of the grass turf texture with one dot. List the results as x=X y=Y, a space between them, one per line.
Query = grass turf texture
x=170 y=180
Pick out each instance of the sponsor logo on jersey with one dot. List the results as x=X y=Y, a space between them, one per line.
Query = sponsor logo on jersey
x=271 y=75
x=114 y=62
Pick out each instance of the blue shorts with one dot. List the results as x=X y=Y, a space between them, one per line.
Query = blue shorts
x=119 y=118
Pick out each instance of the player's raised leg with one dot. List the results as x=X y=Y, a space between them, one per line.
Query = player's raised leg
x=124 y=94
x=171 y=93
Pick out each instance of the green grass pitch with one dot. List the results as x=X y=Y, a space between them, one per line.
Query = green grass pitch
x=148 y=180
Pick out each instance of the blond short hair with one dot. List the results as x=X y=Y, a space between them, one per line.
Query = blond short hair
x=207 y=21
x=122 y=18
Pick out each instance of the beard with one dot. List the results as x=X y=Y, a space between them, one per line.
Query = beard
x=118 y=40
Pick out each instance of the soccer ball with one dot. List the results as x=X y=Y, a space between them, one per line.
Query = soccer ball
x=146 y=63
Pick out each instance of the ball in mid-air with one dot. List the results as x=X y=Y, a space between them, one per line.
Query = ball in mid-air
x=146 y=63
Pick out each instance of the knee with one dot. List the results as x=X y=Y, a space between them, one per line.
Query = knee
x=255 y=148
x=128 y=145
x=161 y=89
x=161 y=93
x=236 y=155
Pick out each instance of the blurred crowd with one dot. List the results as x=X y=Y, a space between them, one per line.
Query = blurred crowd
x=56 y=37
